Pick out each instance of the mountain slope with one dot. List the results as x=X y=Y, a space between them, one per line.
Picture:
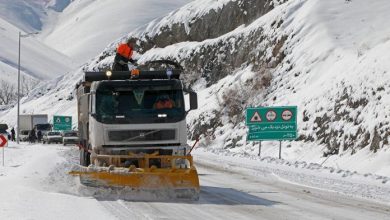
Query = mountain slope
x=68 y=26
x=85 y=27
x=37 y=60
x=28 y=15
x=329 y=58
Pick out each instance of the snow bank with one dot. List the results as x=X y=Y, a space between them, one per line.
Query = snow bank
x=35 y=185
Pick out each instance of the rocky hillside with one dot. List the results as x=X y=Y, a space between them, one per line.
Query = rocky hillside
x=284 y=49
x=328 y=58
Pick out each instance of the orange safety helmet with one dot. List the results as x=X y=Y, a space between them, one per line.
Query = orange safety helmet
x=125 y=50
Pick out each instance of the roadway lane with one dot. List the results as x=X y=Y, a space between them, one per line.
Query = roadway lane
x=227 y=194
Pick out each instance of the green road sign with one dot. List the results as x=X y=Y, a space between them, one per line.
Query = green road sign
x=62 y=123
x=272 y=136
x=272 y=123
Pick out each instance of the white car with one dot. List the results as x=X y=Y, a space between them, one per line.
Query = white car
x=70 y=137
x=23 y=136
x=52 y=137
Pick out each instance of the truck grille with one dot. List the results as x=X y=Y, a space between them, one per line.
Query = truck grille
x=142 y=135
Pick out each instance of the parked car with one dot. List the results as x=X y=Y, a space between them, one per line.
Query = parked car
x=23 y=136
x=70 y=137
x=52 y=137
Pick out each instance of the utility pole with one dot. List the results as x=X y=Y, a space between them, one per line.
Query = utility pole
x=18 y=108
x=18 y=118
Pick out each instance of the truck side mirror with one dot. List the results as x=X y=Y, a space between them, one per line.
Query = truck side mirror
x=193 y=100
x=91 y=100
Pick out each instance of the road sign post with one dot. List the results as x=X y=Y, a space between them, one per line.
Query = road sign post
x=3 y=144
x=272 y=123
x=280 y=149
x=62 y=123
x=259 y=148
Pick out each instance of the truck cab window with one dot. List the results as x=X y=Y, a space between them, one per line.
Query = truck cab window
x=141 y=103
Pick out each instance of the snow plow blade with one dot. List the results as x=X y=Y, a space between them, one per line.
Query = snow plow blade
x=177 y=182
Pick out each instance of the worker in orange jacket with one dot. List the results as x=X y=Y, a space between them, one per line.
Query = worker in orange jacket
x=164 y=102
x=123 y=56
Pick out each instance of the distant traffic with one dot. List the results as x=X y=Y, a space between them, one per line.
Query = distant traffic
x=35 y=128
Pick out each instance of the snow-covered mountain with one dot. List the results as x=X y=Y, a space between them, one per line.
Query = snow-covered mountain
x=63 y=32
x=38 y=61
x=329 y=58
x=85 y=27
x=28 y=15
x=82 y=28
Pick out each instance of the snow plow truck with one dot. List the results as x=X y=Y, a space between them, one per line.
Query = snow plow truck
x=133 y=131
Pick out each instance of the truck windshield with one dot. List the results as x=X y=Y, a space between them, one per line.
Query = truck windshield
x=146 y=104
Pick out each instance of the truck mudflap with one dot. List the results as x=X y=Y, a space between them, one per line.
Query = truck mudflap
x=177 y=181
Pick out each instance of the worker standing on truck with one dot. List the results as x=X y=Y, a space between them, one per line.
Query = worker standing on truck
x=124 y=54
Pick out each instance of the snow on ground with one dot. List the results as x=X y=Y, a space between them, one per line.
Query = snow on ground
x=34 y=184
x=351 y=183
x=29 y=191
x=87 y=27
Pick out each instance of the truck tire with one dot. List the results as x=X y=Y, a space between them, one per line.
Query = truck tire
x=84 y=158
x=87 y=158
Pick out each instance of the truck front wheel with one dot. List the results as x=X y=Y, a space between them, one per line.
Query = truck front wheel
x=85 y=158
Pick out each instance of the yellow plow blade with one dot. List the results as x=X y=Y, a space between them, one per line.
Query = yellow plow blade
x=183 y=182
x=156 y=179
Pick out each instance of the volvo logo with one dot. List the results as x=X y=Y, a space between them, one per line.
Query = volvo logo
x=141 y=134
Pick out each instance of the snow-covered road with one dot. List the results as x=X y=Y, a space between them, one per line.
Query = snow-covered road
x=232 y=195
x=34 y=185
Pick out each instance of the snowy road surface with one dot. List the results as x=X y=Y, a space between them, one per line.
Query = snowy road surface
x=34 y=185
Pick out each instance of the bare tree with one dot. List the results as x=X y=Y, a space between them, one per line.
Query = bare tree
x=27 y=85
x=7 y=93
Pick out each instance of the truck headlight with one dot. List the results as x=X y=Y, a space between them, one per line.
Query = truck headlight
x=108 y=73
